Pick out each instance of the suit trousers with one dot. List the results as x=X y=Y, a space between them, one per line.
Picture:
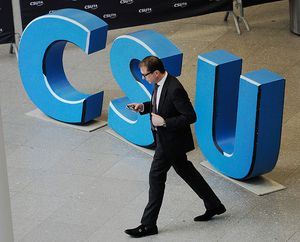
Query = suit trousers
x=157 y=179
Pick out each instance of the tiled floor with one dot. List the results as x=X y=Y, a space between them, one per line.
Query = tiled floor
x=68 y=185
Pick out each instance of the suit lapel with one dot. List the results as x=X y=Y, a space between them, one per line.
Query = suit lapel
x=163 y=93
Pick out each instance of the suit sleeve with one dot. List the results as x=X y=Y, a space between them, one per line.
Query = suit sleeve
x=186 y=113
x=147 y=106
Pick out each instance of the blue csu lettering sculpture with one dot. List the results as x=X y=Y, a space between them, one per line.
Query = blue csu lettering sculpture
x=239 y=116
x=41 y=65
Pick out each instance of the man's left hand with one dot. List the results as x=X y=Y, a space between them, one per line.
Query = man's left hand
x=157 y=120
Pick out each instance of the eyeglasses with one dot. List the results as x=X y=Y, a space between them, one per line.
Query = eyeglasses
x=144 y=75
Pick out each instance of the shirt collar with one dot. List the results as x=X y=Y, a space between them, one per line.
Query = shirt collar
x=162 y=81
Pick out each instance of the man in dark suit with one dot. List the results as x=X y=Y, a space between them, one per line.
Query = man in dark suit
x=171 y=116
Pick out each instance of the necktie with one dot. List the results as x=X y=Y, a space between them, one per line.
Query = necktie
x=154 y=98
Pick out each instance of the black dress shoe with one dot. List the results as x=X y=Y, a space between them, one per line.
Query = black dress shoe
x=210 y=213
x=142 y=231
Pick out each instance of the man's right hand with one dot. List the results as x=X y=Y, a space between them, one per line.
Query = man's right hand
x=137 y=107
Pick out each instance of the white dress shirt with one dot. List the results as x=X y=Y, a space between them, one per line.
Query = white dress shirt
x=160 y=87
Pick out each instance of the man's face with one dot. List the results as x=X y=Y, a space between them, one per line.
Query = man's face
x=148 y=76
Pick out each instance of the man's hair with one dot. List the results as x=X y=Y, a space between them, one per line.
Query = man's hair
x=152 y=63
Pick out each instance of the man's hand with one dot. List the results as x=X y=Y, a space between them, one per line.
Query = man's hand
x=157 y=120
x=137 y=107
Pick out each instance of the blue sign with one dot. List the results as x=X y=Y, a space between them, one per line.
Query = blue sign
x=126 y=53
x=239 y=117
x=41 y=63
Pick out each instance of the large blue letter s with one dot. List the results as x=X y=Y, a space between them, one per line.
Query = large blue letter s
x=126 y=53
x=239 y=117
x=41 y=66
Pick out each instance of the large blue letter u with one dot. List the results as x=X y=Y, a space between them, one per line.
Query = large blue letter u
x=239 y=117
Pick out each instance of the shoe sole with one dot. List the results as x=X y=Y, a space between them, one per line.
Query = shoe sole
x=133 y=236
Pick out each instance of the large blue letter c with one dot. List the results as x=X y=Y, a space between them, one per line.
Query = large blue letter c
x=41 y=66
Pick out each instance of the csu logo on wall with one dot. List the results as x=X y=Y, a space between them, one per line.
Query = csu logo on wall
x=180 y=5
x=239 y=130
x=145 y=10
x=110 y=15
x=36 y=3
x=126 y=1
x=91 y=7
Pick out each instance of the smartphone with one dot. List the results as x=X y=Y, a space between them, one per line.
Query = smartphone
x=130 y=107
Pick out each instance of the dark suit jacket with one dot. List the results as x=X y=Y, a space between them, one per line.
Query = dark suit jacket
x=175 y=107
